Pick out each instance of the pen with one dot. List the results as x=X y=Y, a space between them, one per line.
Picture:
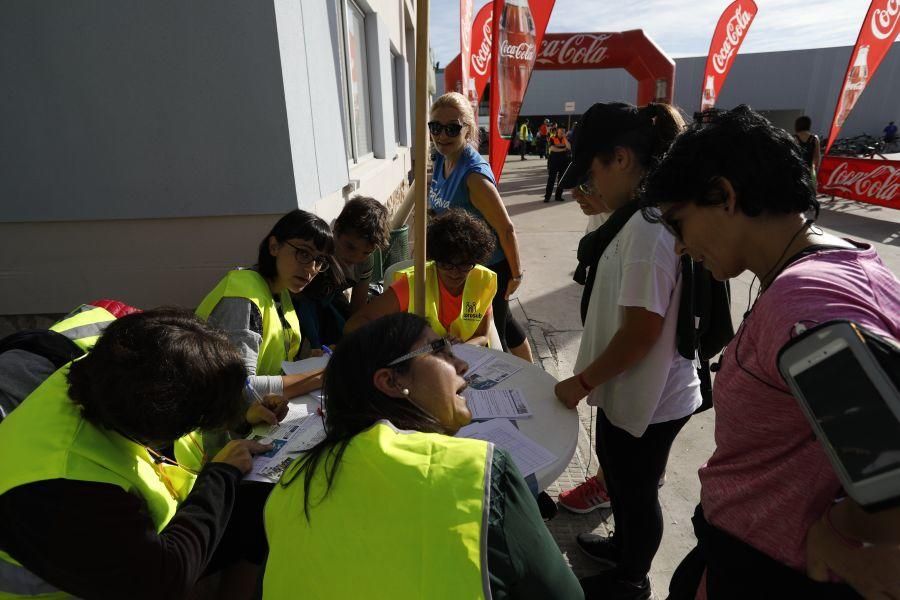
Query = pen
x=253 y=392
x=326 y=350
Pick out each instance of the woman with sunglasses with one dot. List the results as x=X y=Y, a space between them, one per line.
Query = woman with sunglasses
x=459 y=290
x=463 y=179
x=389 y=504
x=737 y=195
x=103 y=490
x=627 y=362
x=253 y=306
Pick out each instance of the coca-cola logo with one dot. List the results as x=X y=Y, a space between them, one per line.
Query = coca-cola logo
x=481 y=60
x=734 y=34
x=580 y=49
x=522 y=51
x=881 y=183
x=884 y=21
x=465 y=30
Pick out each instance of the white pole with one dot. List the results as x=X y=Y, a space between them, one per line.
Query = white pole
x=421 y=152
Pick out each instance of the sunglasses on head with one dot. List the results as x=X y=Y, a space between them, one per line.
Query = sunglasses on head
x=451 y=129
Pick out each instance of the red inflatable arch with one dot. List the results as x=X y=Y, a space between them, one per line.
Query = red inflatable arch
x=630 y=50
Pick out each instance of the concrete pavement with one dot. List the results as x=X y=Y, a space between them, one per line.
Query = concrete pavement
x=549 y=301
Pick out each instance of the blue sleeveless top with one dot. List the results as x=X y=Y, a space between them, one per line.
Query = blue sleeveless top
x=451 y=192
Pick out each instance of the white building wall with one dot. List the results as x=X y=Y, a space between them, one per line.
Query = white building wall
x=149 y=146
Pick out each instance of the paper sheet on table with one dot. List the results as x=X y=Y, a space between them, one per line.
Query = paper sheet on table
x=307 y=364
x=491 y=404
x=528 y=455
x=299 y=431
x=475 y=356
x=491 y=372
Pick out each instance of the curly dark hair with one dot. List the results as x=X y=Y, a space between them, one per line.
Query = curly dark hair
x=367 y=218
x=158 y=375
x=457 y=237
x=761 y=161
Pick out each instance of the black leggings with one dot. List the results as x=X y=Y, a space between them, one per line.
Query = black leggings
x=512 y=335
x=632 y=468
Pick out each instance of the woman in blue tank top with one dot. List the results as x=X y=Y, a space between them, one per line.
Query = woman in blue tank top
x=463 y=179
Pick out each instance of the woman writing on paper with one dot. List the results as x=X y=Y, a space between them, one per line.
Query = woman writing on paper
x=253 y=306
x=434 y=516
x=459 y=290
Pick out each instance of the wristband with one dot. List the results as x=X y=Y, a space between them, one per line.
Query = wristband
x=583 y=383
x=519 y=277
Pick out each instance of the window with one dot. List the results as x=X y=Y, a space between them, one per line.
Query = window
x=396 y=64
x=358 y=131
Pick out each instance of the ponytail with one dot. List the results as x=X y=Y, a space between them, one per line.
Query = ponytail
x=667 y=123
x=647 y=131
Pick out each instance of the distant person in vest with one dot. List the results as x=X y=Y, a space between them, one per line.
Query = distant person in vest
x=809 y=145
x=323 y=310
x=459 y=290
x=890 y=135
x=463 y=179
x=254 y=308
x=103 y=492
x=30 y=356
x=558 y=148
x=524 y=135
x=389 y=505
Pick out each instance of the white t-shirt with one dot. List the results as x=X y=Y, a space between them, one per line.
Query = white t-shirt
x=639 y=268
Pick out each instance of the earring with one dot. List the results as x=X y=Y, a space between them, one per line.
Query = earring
x=405 y=391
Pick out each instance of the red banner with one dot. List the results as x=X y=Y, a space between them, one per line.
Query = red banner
x=864 y=180
x=516 y=34
x=726 y=42
x=465 y=48
x=878 y=32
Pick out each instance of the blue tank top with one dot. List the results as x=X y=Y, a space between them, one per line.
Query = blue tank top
x=451 y=192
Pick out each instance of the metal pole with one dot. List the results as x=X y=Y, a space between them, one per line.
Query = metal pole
x=421 y=151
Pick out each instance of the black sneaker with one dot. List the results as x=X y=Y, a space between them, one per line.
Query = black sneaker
x=546 y=199
x=600 y=548
x=609 y=586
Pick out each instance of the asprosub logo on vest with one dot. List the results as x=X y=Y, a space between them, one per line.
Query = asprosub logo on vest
x=470 y=312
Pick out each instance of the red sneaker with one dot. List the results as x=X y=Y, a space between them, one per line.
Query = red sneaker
x=588 y=496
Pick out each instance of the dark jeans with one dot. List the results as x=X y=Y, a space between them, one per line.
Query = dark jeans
x=632 y=468
x=511 y=332
x=556 y=165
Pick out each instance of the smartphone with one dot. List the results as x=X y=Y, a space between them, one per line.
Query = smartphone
x=852 y=405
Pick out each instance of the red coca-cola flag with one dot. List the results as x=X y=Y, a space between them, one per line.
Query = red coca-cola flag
x=864 y=180
x=479 y=57
x=465 y=45
x=878 y=32
x=517 y=33
x=726 y=42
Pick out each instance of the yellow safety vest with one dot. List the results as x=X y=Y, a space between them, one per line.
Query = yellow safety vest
x=84 y=325
x=406 y=518
x=280 y=340
x=46 y=438
x=478 y=293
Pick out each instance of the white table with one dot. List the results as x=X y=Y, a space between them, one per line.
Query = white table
x=552 y=425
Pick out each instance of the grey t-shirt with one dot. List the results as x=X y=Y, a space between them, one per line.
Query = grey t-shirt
x=21 y=372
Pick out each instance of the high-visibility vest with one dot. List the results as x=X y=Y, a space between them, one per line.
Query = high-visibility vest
x=47 y=438
x=478 y=293
x=406 y=518
x=84 y=325
x=280 y=339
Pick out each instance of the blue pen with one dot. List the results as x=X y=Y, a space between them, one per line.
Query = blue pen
x=326 y=350
x=253 y=392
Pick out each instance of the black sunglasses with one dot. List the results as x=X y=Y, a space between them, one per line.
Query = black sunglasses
x=451 y=129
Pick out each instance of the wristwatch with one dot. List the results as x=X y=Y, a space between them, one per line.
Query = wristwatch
x=519 y=277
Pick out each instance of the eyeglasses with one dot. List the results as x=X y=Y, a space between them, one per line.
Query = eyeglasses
x=587 y=188
x=451 y=129
x=305 y=257
x=459 y=268
x=433 y=348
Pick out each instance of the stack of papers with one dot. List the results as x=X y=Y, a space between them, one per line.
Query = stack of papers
x=492 y=404
x=305 y=365
x=529 y=456
x=298 y=432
